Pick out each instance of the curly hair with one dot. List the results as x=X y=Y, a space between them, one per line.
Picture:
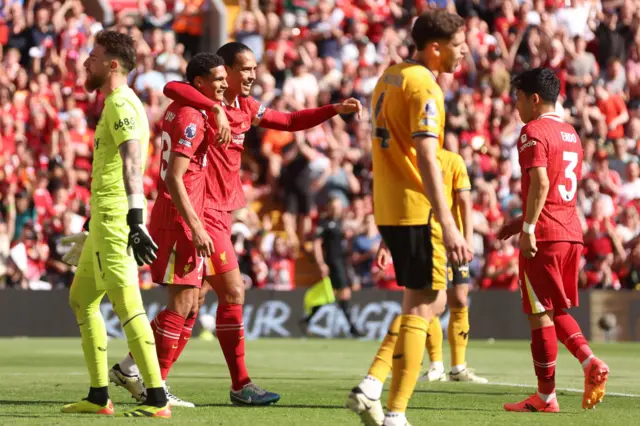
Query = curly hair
x=119 y=46
x=201 y=65
x=434 y=25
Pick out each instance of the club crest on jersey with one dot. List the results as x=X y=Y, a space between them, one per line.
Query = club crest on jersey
x=523 y=138
x=190 y=131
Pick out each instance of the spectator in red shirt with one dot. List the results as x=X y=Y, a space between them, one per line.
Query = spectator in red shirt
x=614 y=110
x=501 y=269
x=609 y=180
x=598 y=273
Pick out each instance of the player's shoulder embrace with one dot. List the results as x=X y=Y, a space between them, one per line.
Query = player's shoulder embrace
x=184 y=114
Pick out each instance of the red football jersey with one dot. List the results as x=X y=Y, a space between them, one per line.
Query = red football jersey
x=183 y=131
x=224 y=186
x=550 y=142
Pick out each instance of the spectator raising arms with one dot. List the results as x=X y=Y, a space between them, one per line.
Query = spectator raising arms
x=310 y=54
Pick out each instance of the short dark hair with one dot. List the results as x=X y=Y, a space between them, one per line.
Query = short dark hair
x=119 y=46
x=201 y=65
x=433 y=25
x=231 y=50
x=542 y=81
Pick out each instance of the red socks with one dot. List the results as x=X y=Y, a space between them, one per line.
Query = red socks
x=570 y=335
x=230 y=332
x=544 y=348
x=167 y=327
x=187 y=330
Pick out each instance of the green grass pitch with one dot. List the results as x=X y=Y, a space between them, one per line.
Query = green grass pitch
x=37 y=376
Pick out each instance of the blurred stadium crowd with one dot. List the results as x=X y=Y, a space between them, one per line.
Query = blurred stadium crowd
x=313 y=52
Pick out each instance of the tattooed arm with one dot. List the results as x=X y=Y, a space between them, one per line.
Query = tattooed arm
x=132 y=167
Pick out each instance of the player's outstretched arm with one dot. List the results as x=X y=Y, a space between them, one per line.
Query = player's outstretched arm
x=178 y=165
x=140 y=242
x=306 y=118
x=426 y=148
x=188 y=95
x=266 y=117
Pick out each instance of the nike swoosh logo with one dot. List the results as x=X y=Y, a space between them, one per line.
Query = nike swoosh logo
x=174 y=347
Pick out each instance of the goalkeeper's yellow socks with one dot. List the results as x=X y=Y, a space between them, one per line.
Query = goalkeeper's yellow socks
x=407 y=360
x=434 y=340
x=85 y=303
x=458 y=337
x=94 y=347
x=371 y=386
x=127 y=304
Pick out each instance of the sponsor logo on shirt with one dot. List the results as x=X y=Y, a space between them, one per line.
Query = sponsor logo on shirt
x=527 y=145
x=125 y=123
x=185 y=143
x=190 y=131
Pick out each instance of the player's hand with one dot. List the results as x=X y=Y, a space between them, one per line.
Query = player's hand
x=458 y=251
x=324 y=270
x=223 y=135
x=140 y=245
x=528 y=246
x=350 y=106
x=510 y=228
x=202 y=242
x=76 y=241
x=383 y=257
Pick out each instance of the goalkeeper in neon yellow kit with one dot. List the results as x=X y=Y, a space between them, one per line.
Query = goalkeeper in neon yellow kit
x=106 y=257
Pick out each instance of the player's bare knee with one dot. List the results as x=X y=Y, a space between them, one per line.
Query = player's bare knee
x=456 y=299
x=234 y=295
x=437 y=301
x=541 y=320
x=181 y=300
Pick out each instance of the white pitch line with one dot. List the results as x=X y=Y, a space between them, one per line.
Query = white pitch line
x=521 y=385
x=514 y=385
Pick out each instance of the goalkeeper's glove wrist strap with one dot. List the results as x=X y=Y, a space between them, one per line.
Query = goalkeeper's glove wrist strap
x=135 y=217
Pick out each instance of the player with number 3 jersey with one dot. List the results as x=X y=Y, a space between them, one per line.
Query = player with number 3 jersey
x=550 y=154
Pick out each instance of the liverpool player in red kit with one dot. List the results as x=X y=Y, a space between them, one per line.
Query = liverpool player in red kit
x=176 y=221
x=225 y=194
x=550 y=154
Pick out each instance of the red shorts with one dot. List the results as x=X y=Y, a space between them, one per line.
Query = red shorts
x=178 y=262
x=549 y=281
x=218 y=225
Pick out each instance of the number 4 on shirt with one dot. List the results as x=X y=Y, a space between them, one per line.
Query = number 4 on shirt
x=380 y=131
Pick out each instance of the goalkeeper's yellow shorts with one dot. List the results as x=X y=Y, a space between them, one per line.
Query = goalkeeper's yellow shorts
x=104 y=258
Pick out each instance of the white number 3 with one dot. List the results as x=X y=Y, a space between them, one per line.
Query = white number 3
x=569 y=173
